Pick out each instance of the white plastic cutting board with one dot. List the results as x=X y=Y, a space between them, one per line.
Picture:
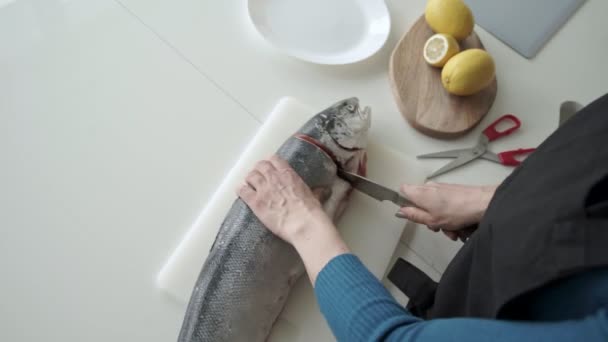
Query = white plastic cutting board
x=369 y=227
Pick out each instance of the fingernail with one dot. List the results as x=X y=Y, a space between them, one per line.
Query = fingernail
x=400 y=215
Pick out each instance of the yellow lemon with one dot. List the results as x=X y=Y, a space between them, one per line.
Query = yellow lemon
x=468 y=72
x=439 y=49
x=451 y=17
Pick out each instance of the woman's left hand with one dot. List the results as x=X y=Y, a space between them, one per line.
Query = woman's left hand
x=286 y=206
x=282 y=201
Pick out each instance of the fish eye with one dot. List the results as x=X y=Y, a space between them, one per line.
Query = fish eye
x=350 y=107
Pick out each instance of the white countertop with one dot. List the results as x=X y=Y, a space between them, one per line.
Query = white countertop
x=118 y=119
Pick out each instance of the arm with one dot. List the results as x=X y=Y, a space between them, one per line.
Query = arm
x=358 y=308
x=355 y=304
x=320 y=244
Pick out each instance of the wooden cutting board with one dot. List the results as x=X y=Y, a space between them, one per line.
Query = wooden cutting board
x=420 y=96
x=369 y=227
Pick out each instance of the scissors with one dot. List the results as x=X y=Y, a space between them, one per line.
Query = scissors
x=467 y=155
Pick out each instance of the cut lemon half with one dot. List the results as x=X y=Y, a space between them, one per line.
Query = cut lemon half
x=439 y=49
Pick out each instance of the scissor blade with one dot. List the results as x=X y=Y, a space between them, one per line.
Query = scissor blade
x=444 y=154
x=373 y=189
x=491 y=156
x=464 y=158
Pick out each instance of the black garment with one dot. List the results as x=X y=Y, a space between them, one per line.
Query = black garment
x=547 y=221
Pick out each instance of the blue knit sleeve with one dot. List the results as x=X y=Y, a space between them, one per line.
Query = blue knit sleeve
x=357 y=307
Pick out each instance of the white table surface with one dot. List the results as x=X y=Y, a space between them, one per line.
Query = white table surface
x=118 y=119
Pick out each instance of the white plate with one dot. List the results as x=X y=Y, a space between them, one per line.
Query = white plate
x=323 y=31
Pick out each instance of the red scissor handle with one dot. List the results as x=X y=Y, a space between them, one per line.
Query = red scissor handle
x=508 y=157
x=492 y=133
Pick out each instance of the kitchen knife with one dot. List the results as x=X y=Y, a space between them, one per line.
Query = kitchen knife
x=567 y=110
x=374 y=189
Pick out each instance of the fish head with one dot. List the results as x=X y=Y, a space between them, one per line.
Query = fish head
x=341 y=132
x=347 y=124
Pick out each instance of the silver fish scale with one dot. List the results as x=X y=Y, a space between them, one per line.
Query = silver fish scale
x=249 y=272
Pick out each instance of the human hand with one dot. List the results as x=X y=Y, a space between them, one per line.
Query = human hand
x=451 y=208
x=282 y=201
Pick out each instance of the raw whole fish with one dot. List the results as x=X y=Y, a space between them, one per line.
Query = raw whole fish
x=249 y=272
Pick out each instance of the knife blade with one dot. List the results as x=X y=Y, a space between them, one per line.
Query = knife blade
x=373 y=189
x=567 y=110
